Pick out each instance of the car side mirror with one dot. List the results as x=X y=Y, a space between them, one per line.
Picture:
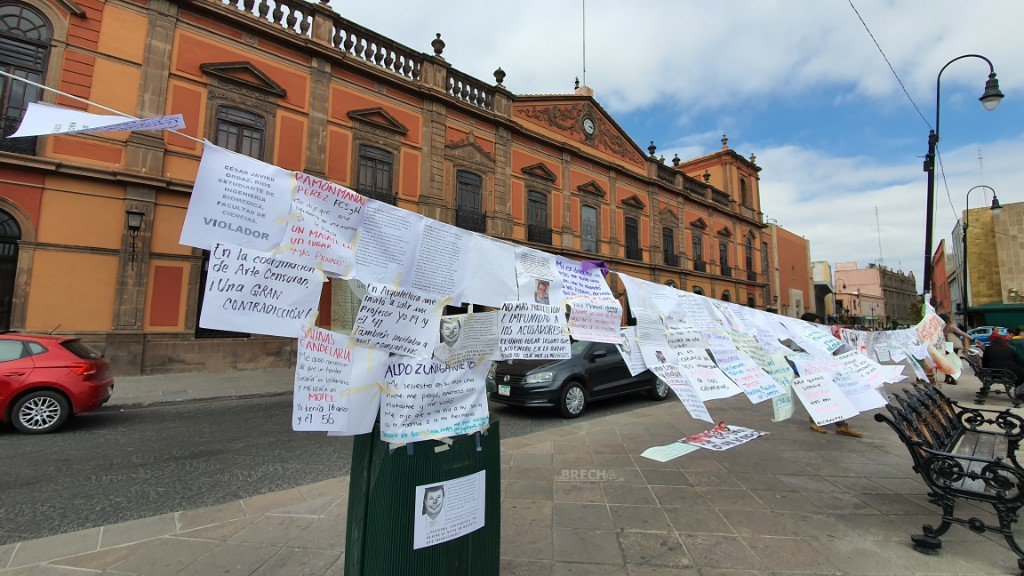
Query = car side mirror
x=598 y=354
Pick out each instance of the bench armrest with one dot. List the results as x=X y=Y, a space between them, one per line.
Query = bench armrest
x=1009 y=424
x=945 y=470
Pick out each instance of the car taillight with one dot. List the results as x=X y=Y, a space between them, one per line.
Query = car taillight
x=83 y=369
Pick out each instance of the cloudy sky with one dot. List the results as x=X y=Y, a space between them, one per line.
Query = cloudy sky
x=800 y=83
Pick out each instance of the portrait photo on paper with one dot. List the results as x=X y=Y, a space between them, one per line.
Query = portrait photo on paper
x=540 y=293
x=451 y=331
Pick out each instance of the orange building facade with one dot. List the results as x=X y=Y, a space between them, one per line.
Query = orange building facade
x=91 y=222
x=792 y=281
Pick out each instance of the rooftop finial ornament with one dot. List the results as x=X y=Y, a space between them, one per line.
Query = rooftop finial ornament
x=753 y=159
x=676 y=160
x=438 y=45
x=725 y=140
x=577 y=82
x=652 y=148
x=499 y=76
x=707 y=176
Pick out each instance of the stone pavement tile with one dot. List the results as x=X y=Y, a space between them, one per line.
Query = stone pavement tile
x=680 y=496
x=104 y=559
x=699 y=462
x=526 y=541
x=576 y=515
x=590 y=492
x=785 y=524
x=322 y=534
x=788 y=554
x=506 y=456
x=213 y=515
x=941 y=564
x=531 y=473
x=52 y=547
x=853 y=555
x=219 y=532
x=561 y=446
x=802 y=483
x=44 y=570
x=891 y=504
x=272 y=501
x=273 y=530
x=760 y=482
x=648 y=464
x=593 y=546
x=314 y=507
x=521 y=567
x=574 y=569
x=839 y=503
x=731 y=498
x=661 y=571
x=337 y=487
x=614 y=447
x=6 y=551
x=528 y=490
x=539 y=448
x=165 y=558
x=523 y=458
x=570 y=461
x=612 y=461
x=654 y=549
x=883 y=471
x=526 y=511
x=298 y=562
x=719 y=551
x=628 y=494
x=857 y=485
x=717 y=572
x=629 y=476
x=902 y=485
x=712 y=479
x=138 y=530
x=698 y=520
x=804 y=455
x=229 y=559
x=644 y=518
x=983 y=555
x=786 y=501
x=666 y=478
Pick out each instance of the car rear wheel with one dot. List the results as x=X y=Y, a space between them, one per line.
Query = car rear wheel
x=573 y=400
x=40 y=412
x=659 y=390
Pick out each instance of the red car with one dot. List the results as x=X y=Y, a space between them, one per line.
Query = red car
x=45 y=379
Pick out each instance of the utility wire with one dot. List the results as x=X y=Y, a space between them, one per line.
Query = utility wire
x=886 y=58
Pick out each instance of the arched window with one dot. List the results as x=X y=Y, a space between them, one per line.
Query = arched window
x=10 y=233
x=744 y=194
x=698 y=290
x=748 y=256
x=588 y=222
x=750 y=301
x=725 y=296
x=24 y=52
x=670 y=283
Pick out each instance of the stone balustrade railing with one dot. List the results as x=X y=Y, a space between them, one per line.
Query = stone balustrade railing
x=470 y=90
x=372 y=48
x=295 y=15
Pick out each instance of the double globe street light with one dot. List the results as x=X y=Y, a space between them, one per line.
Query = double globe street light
x=967 y=213
x=990 y=100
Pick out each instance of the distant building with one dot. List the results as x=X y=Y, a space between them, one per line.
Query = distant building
x=791 y=284
x=995 y=265
x=940 y=298
x=824 y=289
x=897 y=290
x=860 y=309
x=954 y=267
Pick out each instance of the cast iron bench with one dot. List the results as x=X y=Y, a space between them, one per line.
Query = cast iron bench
x=992 y=377
x=961 y=454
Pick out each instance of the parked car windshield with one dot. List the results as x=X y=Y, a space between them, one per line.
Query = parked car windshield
x=579 y=347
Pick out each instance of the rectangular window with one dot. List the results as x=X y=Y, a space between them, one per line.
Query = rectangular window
x=589 y=228
x=668 y=244
x=723 y=258
x=469 y=214
x=375 y=173
x=698 y=253
x=633 y=251
x=764 y=260
x=538 y=227
x=240 y=131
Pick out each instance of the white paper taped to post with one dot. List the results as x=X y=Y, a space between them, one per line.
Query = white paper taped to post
x=401 y=321
x=328 y=223
x=425 y=399
x=533 y=331
x=41 y=119
x=259 y=292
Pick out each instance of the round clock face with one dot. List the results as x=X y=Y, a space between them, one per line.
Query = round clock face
x=588 y=126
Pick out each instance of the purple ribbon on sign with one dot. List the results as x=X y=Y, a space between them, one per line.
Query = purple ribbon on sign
x=588 y=265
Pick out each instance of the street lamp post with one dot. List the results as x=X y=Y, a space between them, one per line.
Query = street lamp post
x=967 y=213
x=989 y=99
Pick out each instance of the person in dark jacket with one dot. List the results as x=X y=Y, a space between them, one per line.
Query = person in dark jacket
x=999 y=354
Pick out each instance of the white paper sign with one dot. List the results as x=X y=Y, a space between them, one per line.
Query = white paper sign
x=723 y=437
x=667 y=452
x=538 y=277
x=867 y=369
x=440 y=264
x=331 y=218
x=595 y=320
x=532 y=331
x=237 y=200
x=259 y=292
x=387 y=243
x=862 y=395
x=466 y=337
x=401 y=321
x=684 y=390
x=629 y=348
x=579 y=283
x=41 y=119
x=363 y=394
x=709 y=381
x=425 y=399
x=448 y=510
x=755 y=382
x=491 y=279
x=823 y=400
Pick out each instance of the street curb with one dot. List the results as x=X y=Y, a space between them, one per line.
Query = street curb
x=195 y=400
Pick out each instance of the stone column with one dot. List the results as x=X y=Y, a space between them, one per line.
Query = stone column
x=501 y=217
x=316 y=135
x=146 y=150
x=125 y=342
x=567 y=235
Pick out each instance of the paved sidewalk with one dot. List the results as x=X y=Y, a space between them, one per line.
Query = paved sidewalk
x=791 y=502
x=166 y=388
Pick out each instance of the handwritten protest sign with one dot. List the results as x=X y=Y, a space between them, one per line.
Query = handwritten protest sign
x=690 y=310
x=822 y=398
x=858 y=391
x=629 y=348
x=259 y=292
x=538 y=277
x=755 y=382
x=493 y=278
x=336 y=385
x=929 y=329
x=468 y=337
x=867 y=369
x=723 y=437
x=685 y=338
x=822 y=339
x=237 y=200
x=425 y=399
x=448 y=510
x=684 y=390
x=595 y=320
x=532 y=331
x=577 y=282
x=41 y=118
x=401 y=321
x=709 y=381
x=330 y=216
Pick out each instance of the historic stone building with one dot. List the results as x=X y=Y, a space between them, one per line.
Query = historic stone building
x=89 y=224
x=791 y=278
x=995 y=264
x=897 y=290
